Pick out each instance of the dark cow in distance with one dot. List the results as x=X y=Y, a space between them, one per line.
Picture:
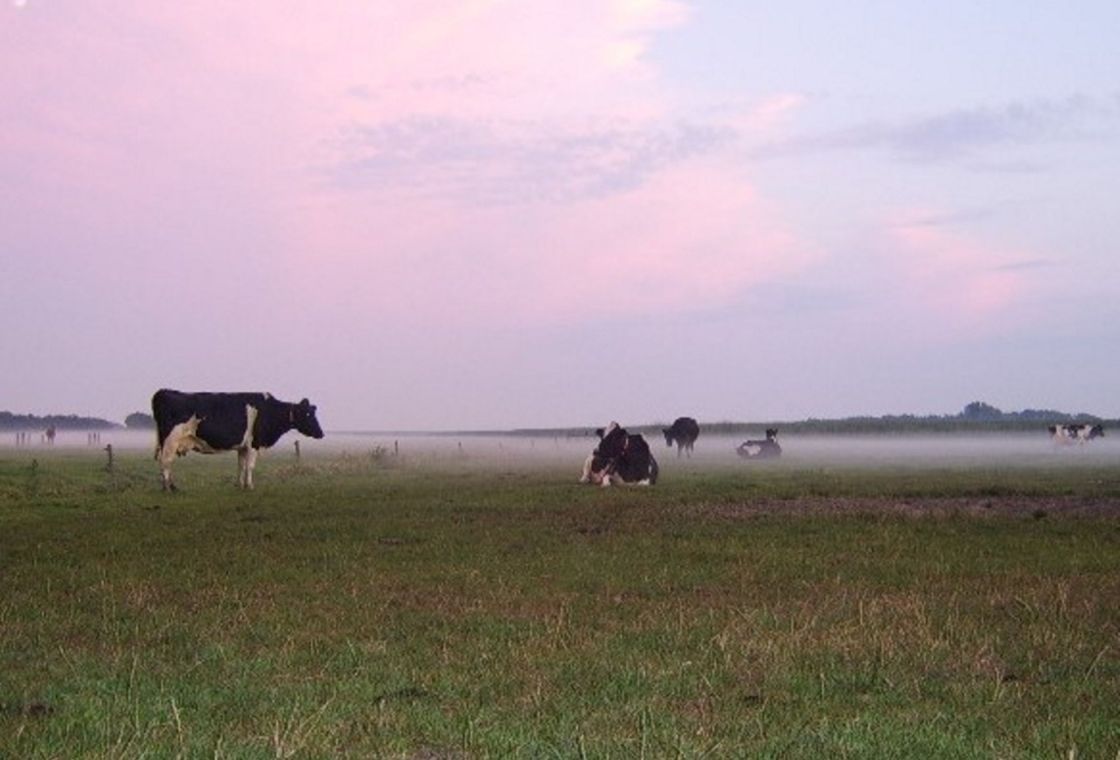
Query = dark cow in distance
x=213 y=422
x=684 y=431
x=1068 y=434
x=766 y=449
x=620 y=458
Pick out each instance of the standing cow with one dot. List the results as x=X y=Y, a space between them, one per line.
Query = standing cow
x=620 y=458
x=212 y=422
x=684 y=431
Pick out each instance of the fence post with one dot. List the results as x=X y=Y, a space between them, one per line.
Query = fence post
x=109 y=451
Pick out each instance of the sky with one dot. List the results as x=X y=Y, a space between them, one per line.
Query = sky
x=493 y=214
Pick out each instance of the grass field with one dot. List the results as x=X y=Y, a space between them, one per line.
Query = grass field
x=364 y=606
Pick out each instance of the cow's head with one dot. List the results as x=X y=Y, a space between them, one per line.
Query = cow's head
x=304 y=420
x=1097 y=431
x=668 y=432
x=613 y=442
x=771 y=433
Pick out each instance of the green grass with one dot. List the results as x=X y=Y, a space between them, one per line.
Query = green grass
x=453 y=610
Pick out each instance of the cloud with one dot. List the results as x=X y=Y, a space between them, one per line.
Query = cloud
x=951 y=282
x=1026 y=265
x=689 y=237
x=964 y=134
x=513 y=162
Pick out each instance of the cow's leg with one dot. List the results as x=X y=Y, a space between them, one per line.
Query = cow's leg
x=166 y=456
x=246 y=461
x=250 y=463
x=180 y=439
x=242 y=463
x=586 y=476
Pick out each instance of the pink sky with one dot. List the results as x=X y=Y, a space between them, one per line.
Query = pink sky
x=415 y=212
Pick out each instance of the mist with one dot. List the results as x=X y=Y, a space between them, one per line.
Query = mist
x=713 y=452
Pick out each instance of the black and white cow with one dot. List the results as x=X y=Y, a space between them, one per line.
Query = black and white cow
x=620 y=458
x=1068 y=434
x=684 y=431
x=212 y=422
x=767 y=449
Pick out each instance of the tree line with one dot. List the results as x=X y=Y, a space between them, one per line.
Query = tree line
x=976 y=417
x=10 y=421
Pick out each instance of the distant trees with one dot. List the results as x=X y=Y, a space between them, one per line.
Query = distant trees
x=139 y=421
x=977 y=416
x=9 y=421
x=980 y=411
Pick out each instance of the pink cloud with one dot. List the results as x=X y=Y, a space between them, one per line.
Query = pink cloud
x=203 y=127
x=960 y=283
x=691 y=237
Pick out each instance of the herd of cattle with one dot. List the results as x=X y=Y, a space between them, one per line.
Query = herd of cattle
x=249 y=422
x=1063 y=435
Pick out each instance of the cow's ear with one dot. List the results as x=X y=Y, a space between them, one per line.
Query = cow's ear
x=305 y=402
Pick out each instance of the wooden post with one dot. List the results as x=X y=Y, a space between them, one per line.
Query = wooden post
x=109 y=451
x=396 y=448
x=297 y=451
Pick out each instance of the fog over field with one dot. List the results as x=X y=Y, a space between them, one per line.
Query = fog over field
x=712 y=451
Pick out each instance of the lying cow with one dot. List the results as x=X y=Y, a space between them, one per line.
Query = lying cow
x=1069 y=434
x=212 y=422
x=684 y=431
x=767 y=449
x=620 y=458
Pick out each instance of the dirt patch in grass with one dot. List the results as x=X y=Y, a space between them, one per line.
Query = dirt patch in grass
x=1034 y=507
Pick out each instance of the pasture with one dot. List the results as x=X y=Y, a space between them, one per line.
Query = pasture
x=476 y=602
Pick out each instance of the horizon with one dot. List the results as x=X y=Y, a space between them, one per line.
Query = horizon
x=494 y=215
x=901 y=417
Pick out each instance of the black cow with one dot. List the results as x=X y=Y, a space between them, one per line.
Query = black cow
x=767 y=449
x=684 y=432
x=212 y=422
x=620 y=458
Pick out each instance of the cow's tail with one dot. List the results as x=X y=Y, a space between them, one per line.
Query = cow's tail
x=654 y=471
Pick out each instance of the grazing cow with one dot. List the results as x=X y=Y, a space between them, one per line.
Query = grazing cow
x=684 y=432
x=212 y=422
x=1068 y=434
x=767 y=449
x=620 y=458
x=48 y=436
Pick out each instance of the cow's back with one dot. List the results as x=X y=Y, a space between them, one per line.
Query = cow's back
x=686 y=428
x=222 y=417
x=637 y=462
